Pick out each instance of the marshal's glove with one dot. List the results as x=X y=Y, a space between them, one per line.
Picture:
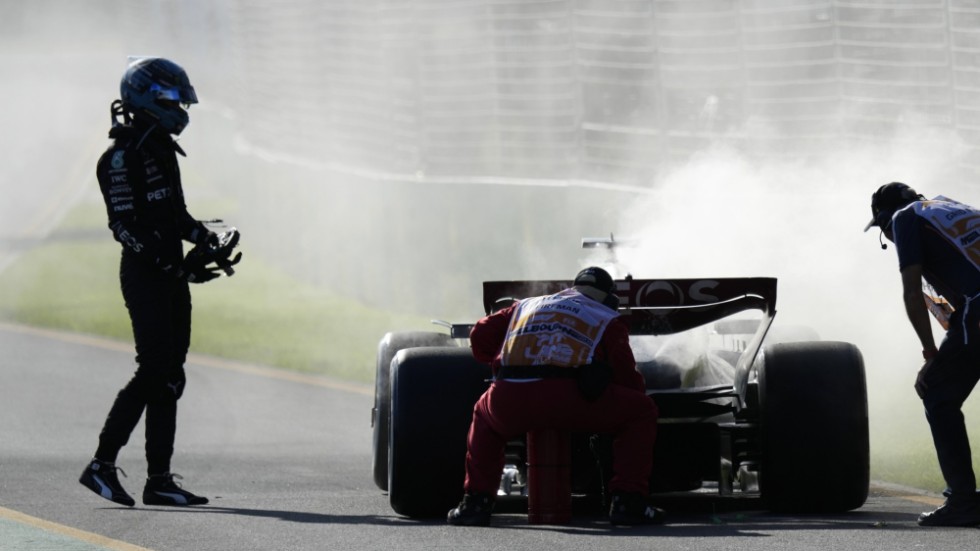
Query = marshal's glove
x=209 y=259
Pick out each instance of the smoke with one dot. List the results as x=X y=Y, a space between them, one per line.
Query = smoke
x=729 y=213
x=400 y=154
x=55 y=95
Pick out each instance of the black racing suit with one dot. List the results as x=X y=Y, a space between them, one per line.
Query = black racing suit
x=140 y=182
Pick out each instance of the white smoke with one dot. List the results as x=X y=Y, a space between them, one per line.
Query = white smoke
x=289 y=87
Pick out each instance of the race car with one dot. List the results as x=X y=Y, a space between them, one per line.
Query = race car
x=741 y=415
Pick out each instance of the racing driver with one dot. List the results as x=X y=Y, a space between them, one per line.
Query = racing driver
x=538 y=384
x=140 y=183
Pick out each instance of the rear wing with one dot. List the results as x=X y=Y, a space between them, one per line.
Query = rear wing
x=661 y=306
x=666 y=306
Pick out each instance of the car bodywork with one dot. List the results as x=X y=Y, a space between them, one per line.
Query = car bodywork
x=745 y=417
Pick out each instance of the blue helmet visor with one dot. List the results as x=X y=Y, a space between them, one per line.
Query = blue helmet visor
x=183 y=94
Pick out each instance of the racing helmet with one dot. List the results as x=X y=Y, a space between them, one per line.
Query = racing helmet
x=154 y=89
x=598 y=279
x=888 y=200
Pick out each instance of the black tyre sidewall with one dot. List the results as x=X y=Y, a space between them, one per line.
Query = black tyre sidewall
x=433 y=391
x=814 y=427
x=390 y=345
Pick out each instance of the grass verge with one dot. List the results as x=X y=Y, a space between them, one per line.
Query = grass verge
x=260 y=315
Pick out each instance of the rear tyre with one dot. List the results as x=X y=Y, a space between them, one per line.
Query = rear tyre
x=814 y=427
x=390 y=344
x=433 y=391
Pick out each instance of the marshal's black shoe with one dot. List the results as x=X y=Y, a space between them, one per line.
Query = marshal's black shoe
x=100 y=477
x=162 y=490
x=474 y=510
x=965 y=512
x=633 y=509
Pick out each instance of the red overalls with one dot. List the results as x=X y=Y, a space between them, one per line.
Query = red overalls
x=511 y=408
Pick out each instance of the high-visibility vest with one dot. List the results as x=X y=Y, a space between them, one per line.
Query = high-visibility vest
x=562 y=330
x=959 y=223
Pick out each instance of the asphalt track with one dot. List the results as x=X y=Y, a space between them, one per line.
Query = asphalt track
x=285 y=459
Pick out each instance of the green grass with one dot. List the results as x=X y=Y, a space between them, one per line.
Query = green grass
x=902 y=450
x=260 y=315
